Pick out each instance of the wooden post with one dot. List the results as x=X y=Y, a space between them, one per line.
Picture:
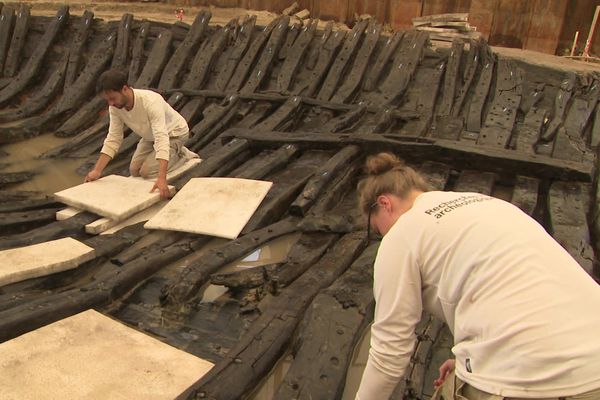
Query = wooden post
x=574 y=43
x=588 y=42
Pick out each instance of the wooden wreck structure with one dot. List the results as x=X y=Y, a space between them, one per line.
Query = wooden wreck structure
x=301 y=107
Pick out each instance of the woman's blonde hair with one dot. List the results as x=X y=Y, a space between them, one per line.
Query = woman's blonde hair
x=387 y=174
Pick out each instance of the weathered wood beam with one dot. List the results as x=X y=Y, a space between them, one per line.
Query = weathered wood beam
x=525 y=194
x=374 y=74
x=258 y=167
x=184 y=288
x=243 y=36
x=13 y=58
x=157 y=59
x=76 y=50
x=173 y=70
x=267 y=339
x=449 y=151
x=329 y=332
x=294 y=56
x=121 y=52
x=137 y=52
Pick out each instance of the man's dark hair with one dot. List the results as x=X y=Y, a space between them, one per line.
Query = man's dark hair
x=113 y=79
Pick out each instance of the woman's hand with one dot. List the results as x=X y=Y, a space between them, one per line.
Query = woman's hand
x=446 y=369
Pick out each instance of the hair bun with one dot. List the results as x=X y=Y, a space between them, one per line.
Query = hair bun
x=382 y=163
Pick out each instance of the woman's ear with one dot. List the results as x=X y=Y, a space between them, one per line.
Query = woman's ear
x=384 y=202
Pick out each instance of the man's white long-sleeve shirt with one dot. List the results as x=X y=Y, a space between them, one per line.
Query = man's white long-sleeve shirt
x=151 y=117
x=523 y=313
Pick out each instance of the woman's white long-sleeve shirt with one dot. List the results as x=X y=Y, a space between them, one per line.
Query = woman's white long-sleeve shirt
x=151 y=117
x=524 y=315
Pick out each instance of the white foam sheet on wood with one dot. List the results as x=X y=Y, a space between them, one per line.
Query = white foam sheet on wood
x=42 y=259
x=90 y=356
x=142 y=216
x=67 y=213
x=113 y=196
x=212 y=206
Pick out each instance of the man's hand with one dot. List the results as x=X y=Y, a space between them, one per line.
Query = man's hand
x=163 y=188
x=92 y=176
x=446 y=369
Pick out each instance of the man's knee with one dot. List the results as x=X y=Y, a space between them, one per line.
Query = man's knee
x=134 y=170
x=147 y=171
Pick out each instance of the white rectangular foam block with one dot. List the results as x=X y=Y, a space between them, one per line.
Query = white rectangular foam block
x=105 y=226
x=212 y=206
x=113 y=196
x=90 y=356
x=67 y=213
x=42 y=259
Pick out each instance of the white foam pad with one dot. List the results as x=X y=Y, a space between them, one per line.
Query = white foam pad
x=42 y=259
x=212 y=206
x=91 y=356
x=113 y=196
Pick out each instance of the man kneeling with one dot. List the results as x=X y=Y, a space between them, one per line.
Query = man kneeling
x=163 y=131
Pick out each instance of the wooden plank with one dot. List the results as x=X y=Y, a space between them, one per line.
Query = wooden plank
x=423 y=94
x=121 y=53
x=442 y=150
x=266 y=340
x=13 y=58
x=474 y=116
x=157 y=59
x=245 y=64
x=294 y=56
x=322 y=177
x=563 y=96
x=472 y=63
x=206 y=58
x=174 y=68
x=137 y=52
x=282 y=115
x=34 y=63
x=287 y=185
x=528 y=133
x=344 y=121
x=183 y=288
x=436 y=174
x=341 y=61
x=263 y=67
x=567 y=209
x=500 y=120
x=451 y=78
x=405 y=64
x=258 y=167
x=83 y=117
x=362 y=60
x=7 y=19
x=329 y=332
x=290 y=38
x=214 y=115
x=96 y=131
x=525 y=194
x=326 y=56
x=242 y=41
x=475 y=181
x=374 y=74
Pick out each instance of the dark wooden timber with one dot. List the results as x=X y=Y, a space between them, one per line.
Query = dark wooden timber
x=451 y=78
x=500 y=119
x=475 y=181
x=83 y=117
x=121 y=52
x=20 y=221
x=563 y=96
x=344 y=57
x=473 y=58
x=242 y=41
x=158 y=57
x=567 y=210
x=137 y=52
x=294 y=56
x=304 y=253
x=525 y=194
x=362 y=60
x=444 y=150
x=328 y=333
x=330 y=44
x=405 y=64
x=77 y=47
x=323 y=176
x=7 y=19
x=34 y=63
x=174 y=68
x=265 y=342
x=480 y=94
x=185 y=288
x=373 y=77
x=263 y=66
x=258 y=167
x=244 y=65
x=13 y=58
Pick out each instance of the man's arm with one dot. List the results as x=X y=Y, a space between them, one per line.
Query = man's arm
x=161 y=181
x=96 y=172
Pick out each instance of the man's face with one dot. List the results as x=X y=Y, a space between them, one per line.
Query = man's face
x=115 y=98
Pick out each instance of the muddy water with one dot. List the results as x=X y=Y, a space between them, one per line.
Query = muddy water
x=52 y=175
